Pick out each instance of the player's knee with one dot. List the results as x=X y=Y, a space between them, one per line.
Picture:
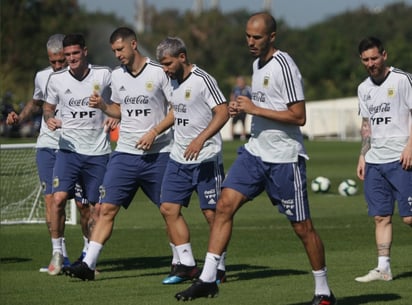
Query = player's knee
x=407 y=220
x=303 y=229
x=169 y=209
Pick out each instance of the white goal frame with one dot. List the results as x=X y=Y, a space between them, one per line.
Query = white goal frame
x=34 y=211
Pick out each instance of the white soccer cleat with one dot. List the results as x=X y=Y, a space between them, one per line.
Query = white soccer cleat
x=55 y=266
x=375 y=275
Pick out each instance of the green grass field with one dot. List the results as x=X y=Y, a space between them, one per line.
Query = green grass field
x=266 y=263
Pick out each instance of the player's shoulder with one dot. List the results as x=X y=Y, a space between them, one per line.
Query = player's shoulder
x=59 y=73
x=154 y=64
x=202 y=74
x=401 y=74
x=119 y=69
x=44 y=73
x=99 y=68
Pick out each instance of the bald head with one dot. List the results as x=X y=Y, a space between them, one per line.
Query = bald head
x=265 y=18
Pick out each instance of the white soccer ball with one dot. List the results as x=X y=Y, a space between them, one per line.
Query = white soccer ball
x=348 y=187
x=320 y=185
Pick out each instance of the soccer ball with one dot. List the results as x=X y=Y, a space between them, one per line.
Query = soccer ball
x=320 y=184
x=348 y=187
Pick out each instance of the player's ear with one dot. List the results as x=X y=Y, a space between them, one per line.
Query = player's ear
x=182 y=57
x=272 y=37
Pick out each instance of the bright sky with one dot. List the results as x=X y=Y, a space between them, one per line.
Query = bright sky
x=297 y=13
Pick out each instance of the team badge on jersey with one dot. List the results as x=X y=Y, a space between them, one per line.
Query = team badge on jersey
x=149 y=86
x=96 y=87
x=102 y=191
x=188 y=94
x=56 y=182
x=391 y=92
x=266 y=82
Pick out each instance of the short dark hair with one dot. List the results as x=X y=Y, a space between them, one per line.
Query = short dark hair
x=122 y=33
x=370 y=43
x=73 y=40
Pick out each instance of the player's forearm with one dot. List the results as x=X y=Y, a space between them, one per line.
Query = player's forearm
x=112 y=110
x=365 y=136
x=48 y=111
x=294 y=115
x=29 y=109
x=165 y=124
x=220 y=117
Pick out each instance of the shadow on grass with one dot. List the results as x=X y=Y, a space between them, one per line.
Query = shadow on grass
x=403 y=275
x=364 y=299
x=240 y=272
x=133 y=263
x=245 y=272
x=13 y=260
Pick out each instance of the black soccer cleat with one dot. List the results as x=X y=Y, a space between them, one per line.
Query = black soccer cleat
x=199 y=289
x=220 y=276
x=81 y=271
x=181 y=273
x=324 y=299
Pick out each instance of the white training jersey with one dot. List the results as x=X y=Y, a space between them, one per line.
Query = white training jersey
x=144 y=103
x=82 y=126
x=193 y=101
x=388 y=107
x=46 y=138
x=274 y=86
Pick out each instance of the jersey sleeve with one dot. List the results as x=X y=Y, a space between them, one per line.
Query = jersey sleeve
x=38 y=93
x=51 y=92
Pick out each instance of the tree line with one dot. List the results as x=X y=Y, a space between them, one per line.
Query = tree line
x=326 y=52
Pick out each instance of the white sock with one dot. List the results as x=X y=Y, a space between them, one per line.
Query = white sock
x=210 y=268
x=85 y=244
x=175 y=258
x=57 y=245
x=64 y=249
x=92 y=254
x=321 y=282
x=222 y=265
x=384 y=263
x=185 y=254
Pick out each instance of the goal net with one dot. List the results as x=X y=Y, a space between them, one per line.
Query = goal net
x=21 y=196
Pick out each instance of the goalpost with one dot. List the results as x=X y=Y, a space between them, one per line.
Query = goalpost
x=21 y=197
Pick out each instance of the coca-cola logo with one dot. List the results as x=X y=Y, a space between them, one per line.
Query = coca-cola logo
x=79 y=102
x=141 y=99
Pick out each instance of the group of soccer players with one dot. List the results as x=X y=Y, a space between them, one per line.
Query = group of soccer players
x=170 y=113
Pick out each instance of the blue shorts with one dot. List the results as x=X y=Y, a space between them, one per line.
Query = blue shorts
x=127 y=172
x=45 y=159
x=71 y=167
x=285 y=183
x=181 y=180
x=386 y=183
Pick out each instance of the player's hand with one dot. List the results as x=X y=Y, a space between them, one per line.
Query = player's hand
x=245 y=104
x=146 y=141
x=95 y=100
x=110 y=124
x=54 y=124
x=406 y=158
x=12 y=118
x=360 y=169
x=233 y=110
x=193 y=150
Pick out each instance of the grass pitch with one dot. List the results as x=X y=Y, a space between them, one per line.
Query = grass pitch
x=266 y=263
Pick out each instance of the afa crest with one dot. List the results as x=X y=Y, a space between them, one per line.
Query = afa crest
x=266 y=82
x=102 y=191
x=391 y=92
x=188 y=94
x=149 y=86
x=56 y=182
